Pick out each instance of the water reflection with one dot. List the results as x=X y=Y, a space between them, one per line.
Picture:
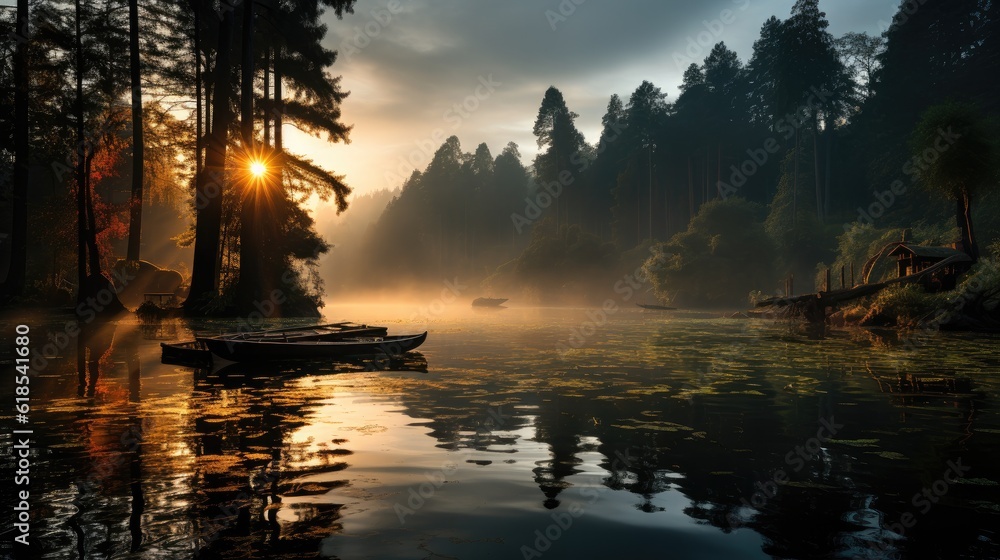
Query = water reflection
x=661 y=430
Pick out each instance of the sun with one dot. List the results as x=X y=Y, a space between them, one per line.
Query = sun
x=258 y=169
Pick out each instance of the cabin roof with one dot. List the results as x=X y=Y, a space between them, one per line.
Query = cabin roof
x=936 y=253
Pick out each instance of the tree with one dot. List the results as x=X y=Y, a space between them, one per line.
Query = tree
x=603 y=169
x=722 y=68
x=560 y=141
x=860 y=52
x=210 y=185
x=811 y=64
x=962 y=170
x=645 y=117
x=254 y=191
x=135 y=74
x=943 y=51
x=723 y=256
x=13 y=286
x=694 y=76
x=764 y=72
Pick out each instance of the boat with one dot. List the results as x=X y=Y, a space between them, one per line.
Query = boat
x=195 y=353
x=236 y=350
x=652 y=307
x=333 y=331
x=488 y=302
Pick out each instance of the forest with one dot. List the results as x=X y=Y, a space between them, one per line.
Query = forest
x=809 y=153
x=185 y=131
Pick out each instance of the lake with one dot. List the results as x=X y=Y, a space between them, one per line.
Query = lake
x=518 y=433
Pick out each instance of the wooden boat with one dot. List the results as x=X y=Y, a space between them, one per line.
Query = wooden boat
x=652 y=307
x=333 y=331
x=235 y=350
x=195 y=353
x=488 y=302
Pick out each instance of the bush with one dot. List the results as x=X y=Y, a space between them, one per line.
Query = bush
x=724 y=255
x=559 y=266
x=904 y=306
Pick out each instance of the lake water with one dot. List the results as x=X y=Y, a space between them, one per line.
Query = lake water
x=646 y=435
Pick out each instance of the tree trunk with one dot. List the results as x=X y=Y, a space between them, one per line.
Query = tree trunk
x=250 y=272
x=690 y=191
x=965 y=224
x=816 y=172
x=197 y=88
x=795 y=180
x=16 y=276
x=81 y=155
x=94 y=252
x=135 y=204
x=246 y=82
x=267 y=97
x=204 y=276
x=827 y=164
x=279 y=106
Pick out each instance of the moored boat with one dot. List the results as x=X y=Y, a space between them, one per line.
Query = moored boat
x=333 y=331
x=196 y=354
x=652 y=307
x=236 y=350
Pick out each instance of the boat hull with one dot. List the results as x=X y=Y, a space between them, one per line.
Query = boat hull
x=190 y=353
x=251 y=350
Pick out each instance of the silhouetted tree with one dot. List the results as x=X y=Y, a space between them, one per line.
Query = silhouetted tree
x=965 y=163
x=559 y=139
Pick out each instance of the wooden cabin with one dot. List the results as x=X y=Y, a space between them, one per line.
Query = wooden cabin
x=916 y=258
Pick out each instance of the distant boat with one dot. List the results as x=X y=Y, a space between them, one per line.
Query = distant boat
x=652 y=307
x=236 y=350
x=488 y=302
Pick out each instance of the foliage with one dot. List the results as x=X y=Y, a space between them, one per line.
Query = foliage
x=452 y=218
x=561 y=265
x=860 y=53
x=724 y=255
x=903 y=305
x=975 y=304
x=800 y=239
x=967 y=163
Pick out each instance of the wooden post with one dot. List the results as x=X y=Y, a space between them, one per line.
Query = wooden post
x=827 y=280
x=791 y=285
x=843 y=277
x=852 y=275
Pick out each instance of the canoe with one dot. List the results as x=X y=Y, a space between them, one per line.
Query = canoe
x=656 y=307
x=261 y=350
x=488 y=302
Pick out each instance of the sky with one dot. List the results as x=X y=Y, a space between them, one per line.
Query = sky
x=420 y=71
